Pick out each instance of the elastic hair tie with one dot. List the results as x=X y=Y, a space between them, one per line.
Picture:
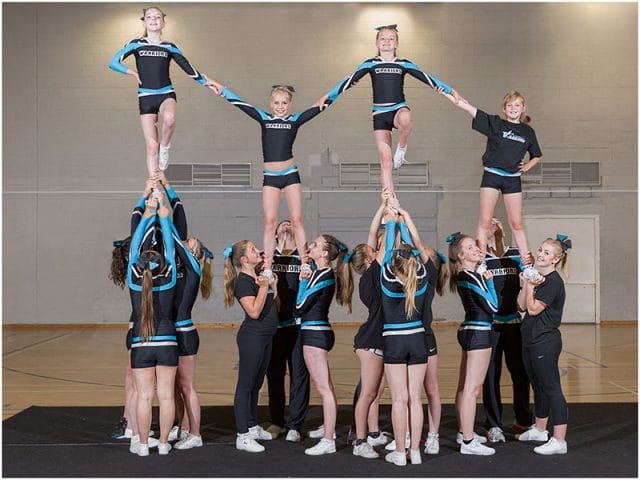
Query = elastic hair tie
x=452 y=238
x=226 y=253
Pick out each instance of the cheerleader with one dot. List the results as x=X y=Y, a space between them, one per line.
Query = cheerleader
x=479 y=300
x=257 y=298
x=312 y=305
x=543 y=301
x=390 y=110
x=156 y=95
x=154 y=350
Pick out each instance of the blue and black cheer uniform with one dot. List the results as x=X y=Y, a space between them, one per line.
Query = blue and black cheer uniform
x=162 y=347
x=507 y=342
x=427 y=314
x=541 y=347
x=480 y=302
x=507 y=144
x=278 y=136
x=152 y=64
x=369 y=335
x=404 y=338
x=312 y=305
x=287 y=349
x=387 y=80
x=254 y=346
x=187 y=286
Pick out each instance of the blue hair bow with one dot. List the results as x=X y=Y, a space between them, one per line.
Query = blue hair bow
x=348 y=256
x=227 y=251
x=342 y=248
x=117 y=243
x=565 y=241
x=442 y=257
x=207 y=253
x=452 y=238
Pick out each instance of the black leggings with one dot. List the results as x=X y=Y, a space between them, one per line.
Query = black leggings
x=287 y=350
x=255 y=353
x=541 y=364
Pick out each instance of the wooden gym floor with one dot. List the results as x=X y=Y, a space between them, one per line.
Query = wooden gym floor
x=85 y=365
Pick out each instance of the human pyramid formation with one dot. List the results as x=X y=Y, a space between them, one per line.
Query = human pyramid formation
x=513 y=302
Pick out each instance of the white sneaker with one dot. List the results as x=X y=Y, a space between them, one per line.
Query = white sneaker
x=495 y=435
x=258 y=433
x=392 y=444
x=318 y=433
x=398 y=157
x=190 y=442
x=173 y=433
x=163 y=156
x=397 y=458
x=552 y=447
x=275 y=431
x=128 y=433
x=475 y=448
x=135 y=441
x=381 y=439
x=323 y=447
x=531 y=273
x=416 y=458
x=164 y=448
x=152 y=442
x=476 y=437
x=432 y=444
x=365 y=450
x=142 y=449
x=533 y=434
x=293 y=436
x=481 y=268
x=244 y=441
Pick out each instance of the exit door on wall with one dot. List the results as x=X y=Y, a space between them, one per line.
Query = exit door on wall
x=582 y=281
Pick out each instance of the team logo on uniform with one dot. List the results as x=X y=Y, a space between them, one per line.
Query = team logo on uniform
x=278 y=125
x=153 y=53
x=512 y=136
x=397 y=71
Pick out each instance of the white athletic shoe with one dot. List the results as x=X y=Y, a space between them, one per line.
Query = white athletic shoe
x=163 y=156
x=152 y=442
x=495 y=435
x=190 y=442
x=323 y=447
x=476 y=437
x=318 y=433
x=244 y=441
x=142 y=449
x=416 y=458
x=432 y=444
x=533 y=434
x=293 y=436
x=258 y=433
x=398 y=157
x=164 y=448
x=397 y=458
x=365 y=450
x=133 y=445
x=173 y=433
x=381 y=439
x=392 y=444
x=475 y=448
x=275 y=431
x=552 y=447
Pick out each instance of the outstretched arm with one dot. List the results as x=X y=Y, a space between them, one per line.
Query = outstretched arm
x=461 y=103
x=184 y=64
x=254 y=112
x=349 y=81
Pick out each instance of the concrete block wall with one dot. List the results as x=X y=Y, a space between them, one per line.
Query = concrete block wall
x=73 y=152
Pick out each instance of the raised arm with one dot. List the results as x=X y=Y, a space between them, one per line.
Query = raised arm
x=179 y=216
x=254 y=112
x=372 y=237
x=350 y=80
x=461 y=103
x=253 y=305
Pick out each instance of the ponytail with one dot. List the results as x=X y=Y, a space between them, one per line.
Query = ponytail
x=455 y=266
x=206 y=279
x=337 y=250
x=119 y=262
x=405 y=267
x=232 y=256
x=147 y=326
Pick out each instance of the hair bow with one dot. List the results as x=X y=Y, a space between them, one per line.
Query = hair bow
x=442 y=257
x=117 y=243
x=288 y=87
x=207 y=253
x=227 y=251
x=565 y=241
x=342 y=248
x=452 y=238
x=348 y=256
x=390 y=27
